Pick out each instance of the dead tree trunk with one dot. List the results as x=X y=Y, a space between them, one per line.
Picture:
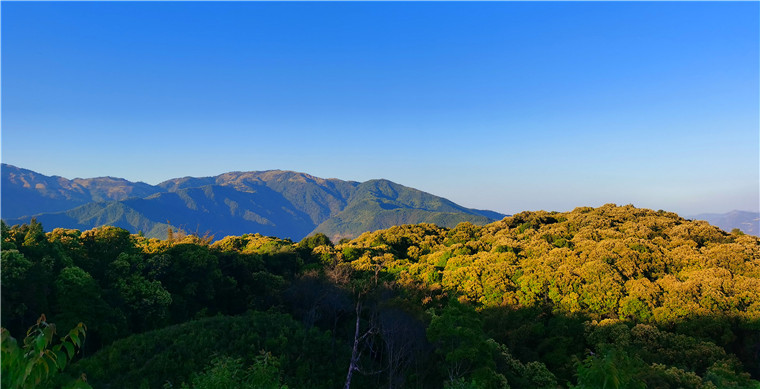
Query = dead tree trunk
x=354 y=365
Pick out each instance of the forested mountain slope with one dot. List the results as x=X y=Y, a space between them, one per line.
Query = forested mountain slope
x=280 y=203
x=379 y=204
x=319 y=198
x=25 y=192
x=538 y=300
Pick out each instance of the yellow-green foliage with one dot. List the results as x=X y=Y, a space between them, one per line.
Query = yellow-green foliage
x=613 y=295
x=609 y=262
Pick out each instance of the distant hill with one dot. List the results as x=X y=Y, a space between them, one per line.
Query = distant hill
x=380 y=204
x=278 y=203
x=747 y=222
x=319 y=198
x=25 y=192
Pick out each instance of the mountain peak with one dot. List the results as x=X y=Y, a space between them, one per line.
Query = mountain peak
x=272 y=202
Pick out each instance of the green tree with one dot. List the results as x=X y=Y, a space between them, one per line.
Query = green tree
x=38 y=360
x=226 y=372
x=614 y=369
x=463 y=347
x=17 y=289
x=147 y=302
x=102 y=246
x=79 y=299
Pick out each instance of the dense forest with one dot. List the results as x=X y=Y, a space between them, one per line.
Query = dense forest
x=615 y=297
x=274 y=203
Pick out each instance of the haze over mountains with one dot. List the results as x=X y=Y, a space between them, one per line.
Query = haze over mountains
x=275 y=202
x=748 y=222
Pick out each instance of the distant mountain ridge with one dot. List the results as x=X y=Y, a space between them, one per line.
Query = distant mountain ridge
x=747 y=222
x=382 y=203
x=273 y=202
x=25 y=192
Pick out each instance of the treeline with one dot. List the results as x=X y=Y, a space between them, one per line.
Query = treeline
x=627 y=296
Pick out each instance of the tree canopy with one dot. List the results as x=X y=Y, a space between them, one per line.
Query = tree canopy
x=614 y=295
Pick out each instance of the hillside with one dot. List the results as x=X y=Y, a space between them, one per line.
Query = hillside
x=379 y=204
x=747 y=222
x=537 y=300
x=278 y=203
x=317 y=197
x=26 y=193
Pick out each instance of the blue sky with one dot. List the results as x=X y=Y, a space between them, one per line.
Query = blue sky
x=496 y=105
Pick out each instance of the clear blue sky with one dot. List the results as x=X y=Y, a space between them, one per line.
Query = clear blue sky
x=504 y=106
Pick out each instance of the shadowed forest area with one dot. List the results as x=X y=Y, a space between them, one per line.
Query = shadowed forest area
x=613 y=296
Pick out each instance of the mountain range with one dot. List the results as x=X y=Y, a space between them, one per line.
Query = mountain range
x=747 y=222
x=274 y=202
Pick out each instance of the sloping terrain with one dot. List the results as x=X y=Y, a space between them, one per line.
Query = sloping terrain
x=379 y=204
x=278 y=203
x=747 y=222
x=25 y=192
x=536 y=300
